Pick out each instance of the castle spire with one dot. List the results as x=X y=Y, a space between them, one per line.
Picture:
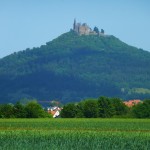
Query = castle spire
x=74 y=24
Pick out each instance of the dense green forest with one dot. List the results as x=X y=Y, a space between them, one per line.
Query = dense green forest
x=73 y=67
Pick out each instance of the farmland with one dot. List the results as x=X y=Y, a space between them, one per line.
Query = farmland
x=75 y=134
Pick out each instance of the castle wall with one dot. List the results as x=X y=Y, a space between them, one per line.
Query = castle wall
x=84 y=29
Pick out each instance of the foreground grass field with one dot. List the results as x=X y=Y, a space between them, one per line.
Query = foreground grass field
x=75 y=134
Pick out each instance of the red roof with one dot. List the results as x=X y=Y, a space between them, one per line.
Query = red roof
x=131 y=103
x=52 y=112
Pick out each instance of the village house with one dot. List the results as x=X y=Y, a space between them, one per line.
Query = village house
x=54 y=111
x=131 y=103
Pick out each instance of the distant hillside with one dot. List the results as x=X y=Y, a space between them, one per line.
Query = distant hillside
x=73 y=67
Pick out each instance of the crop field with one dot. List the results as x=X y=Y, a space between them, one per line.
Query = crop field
x=74 y=134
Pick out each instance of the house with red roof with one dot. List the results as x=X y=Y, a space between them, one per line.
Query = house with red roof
x=54 y=111
x=131 y=103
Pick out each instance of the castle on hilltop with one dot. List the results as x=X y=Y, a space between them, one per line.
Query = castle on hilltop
x=84 y=29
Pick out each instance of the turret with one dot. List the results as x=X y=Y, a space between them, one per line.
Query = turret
x=74 y=24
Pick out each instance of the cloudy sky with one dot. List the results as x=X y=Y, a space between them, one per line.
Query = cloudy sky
x=32 y=23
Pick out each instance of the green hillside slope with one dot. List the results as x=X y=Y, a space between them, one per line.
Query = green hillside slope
x=73 y=67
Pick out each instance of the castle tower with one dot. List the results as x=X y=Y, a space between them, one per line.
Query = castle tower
x=74 y=24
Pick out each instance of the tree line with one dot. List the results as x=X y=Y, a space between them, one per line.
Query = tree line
x=31 y=109
x=105 y=107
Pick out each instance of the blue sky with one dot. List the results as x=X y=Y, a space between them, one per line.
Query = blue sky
x=32 y=23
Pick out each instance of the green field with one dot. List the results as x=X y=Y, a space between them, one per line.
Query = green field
x=75 y=134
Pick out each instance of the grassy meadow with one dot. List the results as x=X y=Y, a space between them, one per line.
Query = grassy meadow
x=75 y=134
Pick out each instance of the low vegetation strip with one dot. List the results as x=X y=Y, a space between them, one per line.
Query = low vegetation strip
x=75 y=134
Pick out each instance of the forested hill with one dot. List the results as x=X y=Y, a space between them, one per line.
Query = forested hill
x=73 y=67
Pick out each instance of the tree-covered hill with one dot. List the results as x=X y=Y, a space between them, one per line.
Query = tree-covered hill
x=73 y=67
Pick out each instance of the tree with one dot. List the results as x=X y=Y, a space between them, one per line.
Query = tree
x=106 y=109
x=119 y=107
x=68 y=111
x=80 y=110
x=102 y=31
x=91 y=108
x=34 y=110
x=6 y=111
x=96 y=30
x=19 y=110
x=142 y=110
